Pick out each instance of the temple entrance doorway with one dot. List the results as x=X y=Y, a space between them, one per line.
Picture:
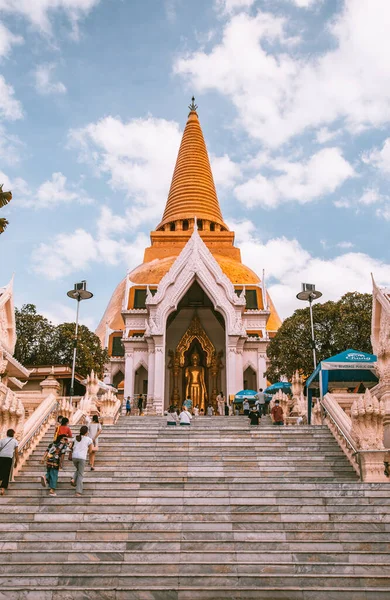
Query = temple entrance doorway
x=195 y=359
x=250 y=382
x=141 y=381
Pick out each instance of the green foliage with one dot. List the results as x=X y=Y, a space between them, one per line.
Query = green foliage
x=5 y=197
x=34 y=337
x=90 y=354
x=39 y=342
x=338 y=326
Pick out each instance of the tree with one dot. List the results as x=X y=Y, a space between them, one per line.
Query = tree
x=338 y=326
x=35 y=335
x=90 y=354
x=5 y=197
x=39 y=342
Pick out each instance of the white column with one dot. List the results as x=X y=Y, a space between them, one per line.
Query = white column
x=129 y=374
x=231 y=366
x=159 y=374
x=151 y=367
x=261 y=368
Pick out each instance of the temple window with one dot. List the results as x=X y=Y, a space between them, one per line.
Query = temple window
x=212 y=226
x=172 y=226
x=117 y=346
x=139 y=298
x=200 y=224
x=185 y=225
x=251 y=299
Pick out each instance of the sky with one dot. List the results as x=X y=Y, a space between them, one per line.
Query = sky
x=294 y=103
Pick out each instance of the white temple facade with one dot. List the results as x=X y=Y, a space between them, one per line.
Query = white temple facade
x=192 y=319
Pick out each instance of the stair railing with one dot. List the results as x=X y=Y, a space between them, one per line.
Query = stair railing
x=340 y=425
x=36 y=427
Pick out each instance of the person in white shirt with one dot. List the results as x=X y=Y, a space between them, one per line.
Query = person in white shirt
x=172 y=417
x=196 y=411
x=185 y=417
x=8 y=451
x=210 y=411
x=94 y=430
x=80 y=450
x=221 y=404
x=246 y=407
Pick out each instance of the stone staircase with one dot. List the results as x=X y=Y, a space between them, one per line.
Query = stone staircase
x=218 y=510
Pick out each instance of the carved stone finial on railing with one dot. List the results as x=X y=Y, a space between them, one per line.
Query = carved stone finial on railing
x=11 y=411
x=92 y=384
x=296 y=384
x=367 y=415
x=109 y=407
x=317 y=413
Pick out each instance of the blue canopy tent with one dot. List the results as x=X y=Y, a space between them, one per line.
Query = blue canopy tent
x=285 y=386
x=245 y=395
x=350 y=366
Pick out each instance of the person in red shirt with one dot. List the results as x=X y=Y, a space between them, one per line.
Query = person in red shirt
x=64 y=429
x=277 y=414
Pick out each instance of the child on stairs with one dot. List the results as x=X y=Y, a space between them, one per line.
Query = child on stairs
x=54 y=458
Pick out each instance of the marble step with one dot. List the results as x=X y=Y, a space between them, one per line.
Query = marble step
x=192 y=592
x=139 y=556
x=207 y=526
x=168 y=535
x=195 y=568
x=167 y=581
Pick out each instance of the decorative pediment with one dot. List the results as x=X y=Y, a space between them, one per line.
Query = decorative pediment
x=195 y=262
x=195 y=331
x=380 y=329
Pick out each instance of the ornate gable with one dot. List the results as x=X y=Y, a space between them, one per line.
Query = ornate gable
x=7 y=318
x=195 y=262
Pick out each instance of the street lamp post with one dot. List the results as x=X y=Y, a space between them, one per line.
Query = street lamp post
x=308 y=294
x=78 y=293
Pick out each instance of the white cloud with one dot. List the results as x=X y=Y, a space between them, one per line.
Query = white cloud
x=371 y=196
x=379 y=158
x=10 y=108
x=56 y=191
x=279 y=95
x=345 y=245
x=287 y=265
x=10 y=146
x=75 y=252
x=225 y=171
x=303 y=182
x=17 y=185
x=62 y=313
x=49 y=194
x=7 y=40
x=44 y=83
x=325 y=135
x=305 y=3
x=138 y=156
x=39 y=12
x=231 y=6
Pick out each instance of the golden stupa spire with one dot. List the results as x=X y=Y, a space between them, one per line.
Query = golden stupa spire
x=192 y=192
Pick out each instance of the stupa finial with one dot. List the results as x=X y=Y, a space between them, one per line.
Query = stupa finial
x=193 y=106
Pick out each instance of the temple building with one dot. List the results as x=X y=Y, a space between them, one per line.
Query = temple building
x=191 y=320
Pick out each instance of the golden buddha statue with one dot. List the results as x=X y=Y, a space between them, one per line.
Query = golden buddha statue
x=195 y=384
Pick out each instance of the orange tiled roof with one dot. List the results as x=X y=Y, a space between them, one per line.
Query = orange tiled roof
x=192 y=192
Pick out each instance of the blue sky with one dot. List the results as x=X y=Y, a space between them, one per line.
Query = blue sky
x=294 y=102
